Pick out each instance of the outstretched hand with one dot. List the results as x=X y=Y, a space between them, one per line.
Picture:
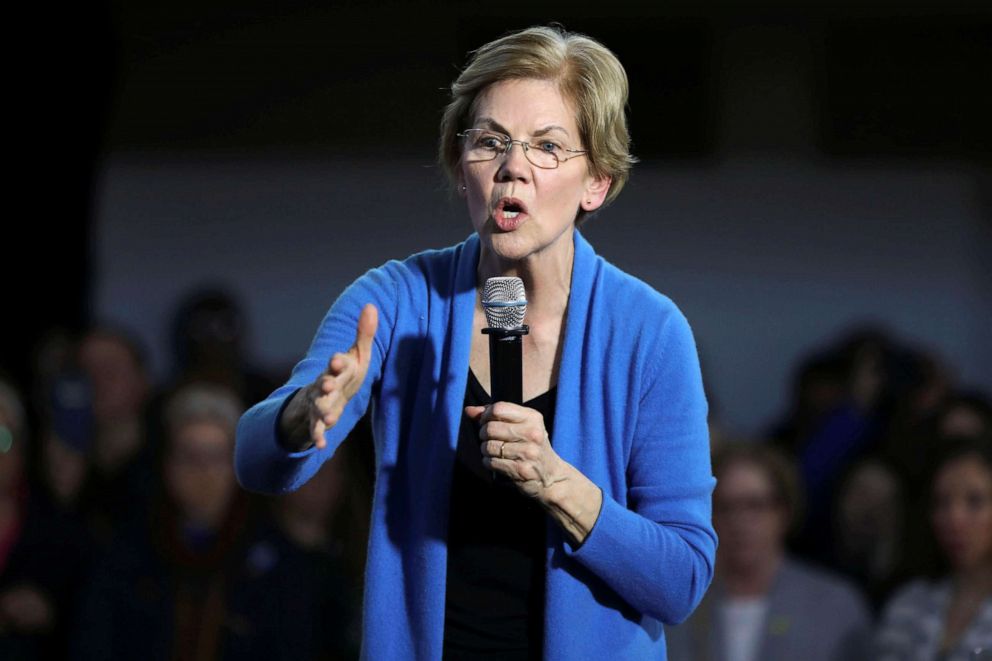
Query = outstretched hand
x=344 y=375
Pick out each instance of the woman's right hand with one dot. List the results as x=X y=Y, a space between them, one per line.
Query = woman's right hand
x=320 y=404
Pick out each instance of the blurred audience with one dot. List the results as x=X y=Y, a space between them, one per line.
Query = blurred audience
x=209 y=335
x=328 y=519
x=869 y=529
x=205 y=576
x=124 y=534
x=123 y=442
x=764 y=604
x=45 y=546
x=948 y=615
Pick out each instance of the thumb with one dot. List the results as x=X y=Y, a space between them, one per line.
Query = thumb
x=367 y=324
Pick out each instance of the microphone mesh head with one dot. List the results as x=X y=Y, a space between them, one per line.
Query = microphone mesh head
x=505 y=302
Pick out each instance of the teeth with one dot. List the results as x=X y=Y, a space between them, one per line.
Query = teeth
x=510 y=214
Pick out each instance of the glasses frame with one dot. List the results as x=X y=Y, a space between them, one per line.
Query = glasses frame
x=509 y=142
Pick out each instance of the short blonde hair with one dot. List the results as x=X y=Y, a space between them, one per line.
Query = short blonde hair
x=588 y=74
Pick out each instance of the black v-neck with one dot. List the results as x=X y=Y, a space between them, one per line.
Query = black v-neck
x=481 y=395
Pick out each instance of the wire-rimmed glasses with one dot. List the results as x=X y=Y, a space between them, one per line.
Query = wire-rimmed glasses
x=485 y=145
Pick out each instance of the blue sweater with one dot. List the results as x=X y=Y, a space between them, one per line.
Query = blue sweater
x=630 y=415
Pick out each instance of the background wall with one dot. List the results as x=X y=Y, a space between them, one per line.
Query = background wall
x=803 y=170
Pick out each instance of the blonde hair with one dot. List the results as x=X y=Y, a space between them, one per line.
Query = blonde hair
x=587 y=73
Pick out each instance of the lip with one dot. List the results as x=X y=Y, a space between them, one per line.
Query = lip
x=509 y=224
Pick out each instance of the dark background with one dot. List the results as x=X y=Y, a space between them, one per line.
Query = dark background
x=902 y=84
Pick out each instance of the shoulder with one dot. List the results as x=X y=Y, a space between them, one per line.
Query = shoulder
x=421 y=268
x=637 y=305
x=915 y=596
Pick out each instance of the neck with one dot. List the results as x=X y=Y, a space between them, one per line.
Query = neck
x=752 y=580
x=547 y=275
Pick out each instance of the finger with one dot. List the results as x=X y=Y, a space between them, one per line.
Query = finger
x=507 y=412
x=318 y=435
x=497 y=430
x=474 y=412
x=493 y=449
x=367 y=324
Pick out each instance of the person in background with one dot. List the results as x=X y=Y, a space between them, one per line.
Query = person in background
x=947 y=616
x=203 y=577
x=123 y=443
x=870 y=529
x=764 y=604
x=45 y=546
x=210 y=334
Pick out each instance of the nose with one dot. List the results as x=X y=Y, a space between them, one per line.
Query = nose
x=514 y=164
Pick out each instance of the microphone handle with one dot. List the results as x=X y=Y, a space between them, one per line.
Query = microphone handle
x=506 y=366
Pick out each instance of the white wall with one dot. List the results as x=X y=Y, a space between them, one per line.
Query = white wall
x=767 y=258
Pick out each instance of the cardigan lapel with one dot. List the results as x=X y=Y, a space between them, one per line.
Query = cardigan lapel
x=463 y=312
x=567 y=420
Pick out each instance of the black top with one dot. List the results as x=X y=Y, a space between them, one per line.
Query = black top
x=494 y=606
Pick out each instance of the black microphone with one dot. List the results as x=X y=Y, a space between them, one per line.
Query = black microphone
x=505 y=304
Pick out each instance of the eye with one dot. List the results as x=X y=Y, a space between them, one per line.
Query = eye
x=490 y=141
x=549 y=146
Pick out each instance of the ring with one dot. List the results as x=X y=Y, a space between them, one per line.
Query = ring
x=501 y=449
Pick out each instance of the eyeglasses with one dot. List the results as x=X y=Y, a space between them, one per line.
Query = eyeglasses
x=485 y=145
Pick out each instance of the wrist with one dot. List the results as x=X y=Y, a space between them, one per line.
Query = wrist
x=293 y=428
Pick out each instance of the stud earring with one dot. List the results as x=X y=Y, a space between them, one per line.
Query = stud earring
x=464 y=188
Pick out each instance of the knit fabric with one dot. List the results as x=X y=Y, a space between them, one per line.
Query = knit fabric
x=630 y=415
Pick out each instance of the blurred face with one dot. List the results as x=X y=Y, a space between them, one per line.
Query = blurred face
x=518 y=209
x=65 y=469
x=962 y=514
x=119 y=384
x=199 y=471
x=747 y=516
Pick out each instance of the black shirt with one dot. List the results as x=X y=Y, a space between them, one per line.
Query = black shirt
x=494 y=606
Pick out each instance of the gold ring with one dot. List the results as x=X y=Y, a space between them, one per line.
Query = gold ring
x=501 y=449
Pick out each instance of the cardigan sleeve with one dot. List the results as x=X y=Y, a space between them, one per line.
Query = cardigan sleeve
x=658 y=551
x=262 y=464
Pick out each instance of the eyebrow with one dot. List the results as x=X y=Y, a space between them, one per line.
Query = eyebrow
x=496 y=126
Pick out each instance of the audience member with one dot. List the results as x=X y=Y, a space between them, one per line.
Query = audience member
x=947 y=616
x=204 y=577
x=45 y=548
x=765 y=604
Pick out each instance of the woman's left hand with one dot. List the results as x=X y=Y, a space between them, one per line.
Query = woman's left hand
x=515 y=442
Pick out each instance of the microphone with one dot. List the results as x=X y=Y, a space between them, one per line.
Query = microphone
x=505 y=302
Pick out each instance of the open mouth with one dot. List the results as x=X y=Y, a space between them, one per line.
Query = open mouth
x=509 y=212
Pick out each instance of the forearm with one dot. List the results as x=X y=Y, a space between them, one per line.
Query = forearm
x=574 y=503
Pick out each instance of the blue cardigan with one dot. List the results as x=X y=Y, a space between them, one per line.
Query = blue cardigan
x=630 y=415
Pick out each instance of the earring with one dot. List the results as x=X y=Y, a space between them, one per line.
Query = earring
x=464 y=188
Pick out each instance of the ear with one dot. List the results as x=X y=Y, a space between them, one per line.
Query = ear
x=596 y=190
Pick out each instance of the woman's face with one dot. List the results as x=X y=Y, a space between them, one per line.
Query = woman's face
x=748 y=517
x=962 y=514
x=548 y=200
x=199 y=471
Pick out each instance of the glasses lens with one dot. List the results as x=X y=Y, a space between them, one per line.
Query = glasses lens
x=540 y=156
x=485 y=145
x=482 y=145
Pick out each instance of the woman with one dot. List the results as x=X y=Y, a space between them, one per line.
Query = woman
x=949 y=617
x=535 y=140
x=764 y=603
x=204 y=577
